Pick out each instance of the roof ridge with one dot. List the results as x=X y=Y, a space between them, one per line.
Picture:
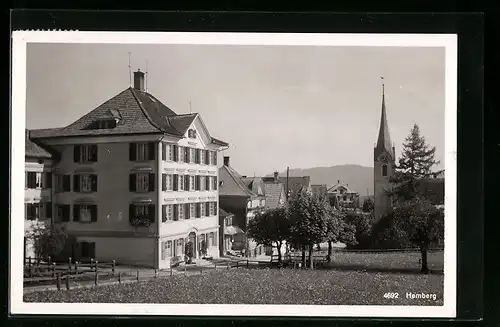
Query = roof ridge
x=144 y=111
x=232 y=172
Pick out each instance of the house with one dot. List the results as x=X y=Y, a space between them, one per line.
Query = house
x=274 y=191
x=295 y=184
x=227 y=231
x=237 y=197
x=320 y=190
x=135 y=181
x=38 y=207
x=344 y=196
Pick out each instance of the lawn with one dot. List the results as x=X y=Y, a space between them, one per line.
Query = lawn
x=262 y=286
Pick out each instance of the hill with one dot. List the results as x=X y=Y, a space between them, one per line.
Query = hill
x=359 y=178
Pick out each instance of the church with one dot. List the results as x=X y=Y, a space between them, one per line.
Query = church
x=384 y=156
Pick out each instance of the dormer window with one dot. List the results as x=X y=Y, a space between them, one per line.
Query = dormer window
x=108 y=120
x=106 y=124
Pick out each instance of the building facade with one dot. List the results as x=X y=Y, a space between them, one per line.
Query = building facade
x=384 y=164
x=344 y=196
x=38 y=207
x=135 y=182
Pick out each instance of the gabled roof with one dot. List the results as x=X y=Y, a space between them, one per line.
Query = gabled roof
x=34 y=150
x=340 y=185
x=273 y=192
x=223 y=213
x=384 y=139
x=219 y=142
x=232 y=183
x=295 y=184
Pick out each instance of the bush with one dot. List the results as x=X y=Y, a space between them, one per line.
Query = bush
x=386 y=235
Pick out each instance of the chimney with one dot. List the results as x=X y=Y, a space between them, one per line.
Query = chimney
x=226 y=161
x=338 y=181
x=139 y=80
x=276 y=176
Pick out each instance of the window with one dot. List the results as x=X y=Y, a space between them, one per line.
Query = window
x=191 y=183
x=344 y=197
x=197 y=156
x=63 y=183
x=180 y=247
x=384 y=170
x=181 y=155
x=181 y=182
x=35 y=211
x=210 y=208
x=202 y=209
x=202 y=157
x=142 y=211
x=32 y=180
x=169 y=248
x=170 y=152
x=85 y=213
x=207 y=209
x=229 y=221
x=167 y=182
x=202 y=183
x=192 y=155
x=142 y=182
x=166 y=250
x=180 y=211
x=85 y=153
x=105 y=124
x=192 y=207
x=197 y=182
x=210 y=239
x=85 y=183
x=142 y=151
x=62 y=212
x=167 y=212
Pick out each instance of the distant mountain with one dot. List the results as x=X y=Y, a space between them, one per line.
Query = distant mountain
x=359 y=178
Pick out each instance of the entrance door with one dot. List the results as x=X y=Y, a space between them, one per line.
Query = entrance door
x=192 y=239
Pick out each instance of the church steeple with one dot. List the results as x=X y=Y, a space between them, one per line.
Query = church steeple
x=384 y=139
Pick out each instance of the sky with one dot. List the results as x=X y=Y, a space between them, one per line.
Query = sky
x=276 y=106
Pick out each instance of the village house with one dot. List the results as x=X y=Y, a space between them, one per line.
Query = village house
x=274 y=191
x=237 y=198
x=38 y=207
x=227 y=231
x=344 y=196
x=135 y=181
x=320 y=190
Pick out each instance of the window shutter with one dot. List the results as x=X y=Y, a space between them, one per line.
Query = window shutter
x=48 y=180
x=187 y=211
x=151 y=182
x=187 y=151
x=132 y=183
x=93 y=213
x=93 y=153
x=207 y=209
x=163 y=182
x=76 y=183
x=163 y=151
x=197 y=156
x=175 y=153
x=215 y=182
x=187 y=181
x=197 y=182
x=131 y=211
x=93 y=182
x=175 y=182
x=151 y=150
x=151 y=212
x=65 y=211
x=215 y=158
x=132 y=153
x=66 y=183
x=48 y=209
x=164 y=213
x=198 y=210
x=207 y=183
x=76 y=212
x=176 y=212
x=29 y=212
x=207 y=157
x=76 y=153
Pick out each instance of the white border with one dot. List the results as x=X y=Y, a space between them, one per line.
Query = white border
x=20 y=40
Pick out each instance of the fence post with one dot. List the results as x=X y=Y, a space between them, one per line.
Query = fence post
x=58 y=281
x=96 y=278
x=171 y=271
x=184 y=270
x=53 y=270
x=113 y=268
x=119 y=277
x=69 y=262
x=29 y=261
x=247 y=263
x=91 y=263
x=228 y=265
x=67 y=282
x=137 y=275
x=96 y=267
x=156 y=273
x=76 y=267
x=49 y=261
x=201 y=270
x=237 y=263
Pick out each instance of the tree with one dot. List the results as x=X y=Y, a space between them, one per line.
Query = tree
x=46 y=241
x=415 y=164
x=363 y=229
x=272 y=226
x=422 y=222
x=368 y=205
x=339 y=230
x=309 y=222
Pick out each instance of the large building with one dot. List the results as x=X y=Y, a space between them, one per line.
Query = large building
x=38 y=206
x=135 y=181
x=384 y=163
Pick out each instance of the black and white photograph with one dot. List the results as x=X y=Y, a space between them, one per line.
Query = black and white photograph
x=225 y=174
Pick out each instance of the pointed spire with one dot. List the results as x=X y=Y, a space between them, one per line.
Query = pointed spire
x=384 y=138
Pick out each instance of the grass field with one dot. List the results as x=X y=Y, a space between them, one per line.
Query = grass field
x=356 y=279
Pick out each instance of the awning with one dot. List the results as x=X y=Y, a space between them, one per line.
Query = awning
x=233 y=230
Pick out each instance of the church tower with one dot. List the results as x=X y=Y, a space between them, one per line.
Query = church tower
x=384 y=163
